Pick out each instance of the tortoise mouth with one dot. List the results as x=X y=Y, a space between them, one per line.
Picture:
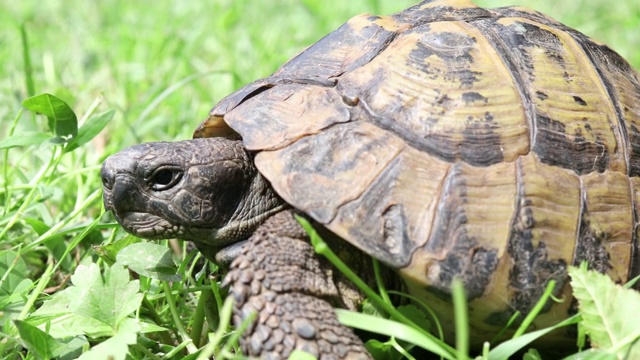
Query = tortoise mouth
x=154 y=227
x=146 y=225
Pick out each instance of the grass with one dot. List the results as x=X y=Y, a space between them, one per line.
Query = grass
x=160 y=67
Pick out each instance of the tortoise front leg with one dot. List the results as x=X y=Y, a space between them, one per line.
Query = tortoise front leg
x=292 y=290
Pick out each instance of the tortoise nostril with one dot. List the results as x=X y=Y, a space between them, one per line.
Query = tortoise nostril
x=106 y=183
x=107 y=177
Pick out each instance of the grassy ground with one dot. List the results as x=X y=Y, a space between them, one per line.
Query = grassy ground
x=160 y=66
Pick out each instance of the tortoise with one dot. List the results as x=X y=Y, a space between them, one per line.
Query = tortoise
x=496 y=146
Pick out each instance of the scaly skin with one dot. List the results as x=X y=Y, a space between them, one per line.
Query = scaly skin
x=292 y=293
x=209 y=192
x=206 y=190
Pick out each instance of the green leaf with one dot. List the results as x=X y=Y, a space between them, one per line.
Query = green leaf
x=62 y=120
x=56 y=316
x=90 y=129
x=381 y=350
x=15 y=285
x=532 y=354
x=13 y=269
x=24 y=139
x=64 y=324
x=146 y=328
x=151 y=260
x=116 y=347
x=605 y=309
x=95 y=305
x=37 y=225
x=61 y=322
x=109 y=253
x=416 y=314
x=43 y=345
x=15 y=300
x=592 y=354
x=109 y=299
x=370 y=309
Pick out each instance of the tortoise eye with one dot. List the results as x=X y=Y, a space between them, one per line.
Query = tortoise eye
x=164 y=178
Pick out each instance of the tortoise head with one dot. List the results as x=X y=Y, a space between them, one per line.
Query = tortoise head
x=203 y=190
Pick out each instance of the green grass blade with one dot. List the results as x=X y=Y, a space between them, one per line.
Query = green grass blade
x=90 y=130
x=26 y=60
x=510 y=347
x=394 y=329
x=24 y=139
x=548 y=291
x=461 y=318
x=182 y=331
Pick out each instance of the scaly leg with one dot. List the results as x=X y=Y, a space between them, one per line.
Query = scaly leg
x=292 y=290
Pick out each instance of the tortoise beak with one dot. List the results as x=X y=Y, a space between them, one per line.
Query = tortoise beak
x=117 y=175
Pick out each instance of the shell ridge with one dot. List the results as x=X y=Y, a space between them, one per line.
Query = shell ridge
x=441 y=11
x=609 y=89
x=581 y=214
x=634 y=263
x=502 y=50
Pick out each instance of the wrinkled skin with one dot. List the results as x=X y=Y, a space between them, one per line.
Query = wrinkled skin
x=208 y=191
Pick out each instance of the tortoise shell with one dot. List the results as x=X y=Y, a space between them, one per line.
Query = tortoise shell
x=494 y=145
